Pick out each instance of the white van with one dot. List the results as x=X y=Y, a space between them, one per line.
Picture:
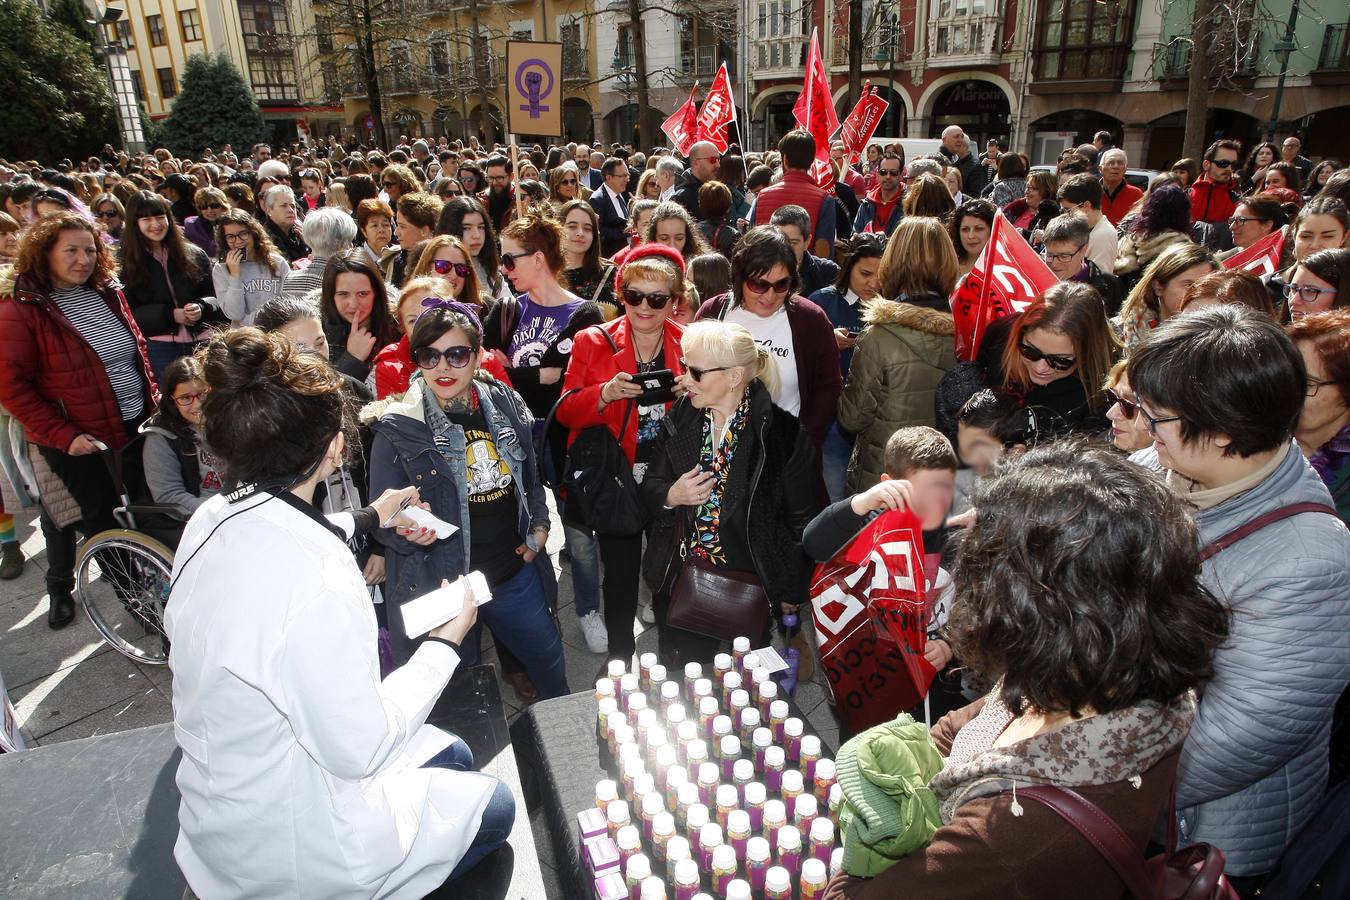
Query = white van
x=914 y=147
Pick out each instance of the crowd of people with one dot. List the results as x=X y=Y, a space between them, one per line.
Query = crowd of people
x=775 y=362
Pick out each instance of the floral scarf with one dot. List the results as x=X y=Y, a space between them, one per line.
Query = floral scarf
x=1328 y=458
x=707 y=538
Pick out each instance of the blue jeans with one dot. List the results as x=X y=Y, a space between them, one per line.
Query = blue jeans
x=520 y=618
x=498 y=817
x=834 y=456
x=585 y=552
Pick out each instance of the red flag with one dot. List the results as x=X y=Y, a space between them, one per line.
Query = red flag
x=814 y=111
x=1261 y=258
x=1005 y=279
x=682 y=126
x=871 y=619
x=862 y=122
x=719 y=111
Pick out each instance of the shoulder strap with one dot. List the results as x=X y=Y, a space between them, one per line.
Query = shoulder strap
x=1102 y=832
x=1275 y=515
x=604 y=278
x=543 y=444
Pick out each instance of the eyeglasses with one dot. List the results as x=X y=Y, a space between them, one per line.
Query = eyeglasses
x=1239 y=221
x=1151 y=423
x=389 y=184
x=206 y=206
x=108 y=214
x=449 y=193
x=508 y=260
x=188 y=399
x=1127 y=407
x=889 y=173
x=699 y=373
x=760 y=286
x=430 y=357
x=1314 y=386
x=568 y=181
x=236 y=235
x=656 y=299
x=1056 y=361
x=444 y=267
x=1062 y=257
x=1223 y=163
x=1306 y=293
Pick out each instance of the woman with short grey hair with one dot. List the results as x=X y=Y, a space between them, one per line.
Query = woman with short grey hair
x=327 y=231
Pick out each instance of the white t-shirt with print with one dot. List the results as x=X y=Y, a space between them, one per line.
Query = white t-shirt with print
x=775 y=335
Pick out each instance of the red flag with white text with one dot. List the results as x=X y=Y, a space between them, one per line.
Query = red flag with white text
x=719 y=111
x=862 y=122
x=870 y=609
x=1006 y=277
x=814 y=112
x=1261 y=258
x=682 y=126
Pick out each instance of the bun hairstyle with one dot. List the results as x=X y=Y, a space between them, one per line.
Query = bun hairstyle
x=725 y=344
x=272 y=410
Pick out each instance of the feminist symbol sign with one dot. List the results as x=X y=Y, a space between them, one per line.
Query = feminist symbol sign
x=534 y=68
x=532 y=73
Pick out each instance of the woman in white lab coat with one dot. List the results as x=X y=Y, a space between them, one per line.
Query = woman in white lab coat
x=304 y=774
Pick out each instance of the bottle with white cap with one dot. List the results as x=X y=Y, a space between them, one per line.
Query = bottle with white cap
x=738 y=889
x=731 y=682
x=722 y=663
x=822 y=839
x=766 y=693
x=804 y=810
x=758 y=858
x=637 y=870
x=793 y=728
x=815 y=876
x=709 y=838
x=749 y=723
x=663 y=829
x=645 y=663
x=824 y=779
x=742 y=773
x=615 y=669
x=692 y=672
x=792 y=785
x=754 y=797
x=778 y=714
x=729 y=747
x=653 y=889
x=836 y=861
x=723 y=868
x=810 y=753
x=777 y=884
x=687 y=879
x=677 y=851
x=726 y=800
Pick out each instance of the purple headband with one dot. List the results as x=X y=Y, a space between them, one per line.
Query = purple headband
x=455 y=306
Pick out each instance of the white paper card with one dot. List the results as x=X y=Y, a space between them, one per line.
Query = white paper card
x=426 y=519
x=771 y=660
x=421 y=614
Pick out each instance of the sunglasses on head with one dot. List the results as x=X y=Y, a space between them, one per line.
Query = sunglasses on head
x=1128 y=408
x=1054 y=360
x=698 y=373
x=760 y=286
x=430 y=357
x=445 y=267
x=656 y=299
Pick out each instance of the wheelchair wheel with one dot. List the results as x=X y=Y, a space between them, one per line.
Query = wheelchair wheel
x=122 y=580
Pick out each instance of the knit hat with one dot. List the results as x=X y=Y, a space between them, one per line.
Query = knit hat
x=888 y=810
x=646 y=251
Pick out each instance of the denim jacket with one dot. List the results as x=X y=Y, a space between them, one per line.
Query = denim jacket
x=405 y=453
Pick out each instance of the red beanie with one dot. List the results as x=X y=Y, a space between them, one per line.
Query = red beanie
x=646 y=251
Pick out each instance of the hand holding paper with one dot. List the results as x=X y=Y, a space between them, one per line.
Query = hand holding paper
x=426 y=519
x=447 y=604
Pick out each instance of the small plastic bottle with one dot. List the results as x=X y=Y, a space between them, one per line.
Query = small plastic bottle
x=731 y=682
x=821 y=843
x=643 y=785
x=792 y=736
x=778 y=714
x=738 y=702
x=836 y=801
x=685 y=734
x=696 y=818
x=765 y=694
x=645 y=663
x=604 y=708
x=629 y=841
x=652 y=889
x=708 y=780
x=675 y=776
x=677 y=851
x=742 y=773
x=653 y=805
x=709 y=838
x=824 y=779
x=777 y=884
x=754 y=798
x=738 y=889
x=815 y=875
x=605 y=687
x=758 y=676
x=749 y=722
x=606 y=791
x=663 y=829
x=739 y=648
x=723 y=868
x=707 y=713
x=696 y=754
x=628 y=686
x=761 y=739
x=664 y=757
x=686 y=878
x=836 y=861
x=804 y=811
x=637 y=870
x=657 y=677
x=617 y=816
x=749 y=665
x=703 y=688
x=670 y=692
x=738 y=831
x=622 y=734
x=675 y=713
x=722 y=664
x=790 y=848
x=726 y=799
x=692 y=672
x=729 y=747
x=615 y=669
x=686 y=796
x=792 y=786
x=774 y=763
x=758 y=858
x=775 y=817
x=644 y=719
x=721 y=727
x=809 y=756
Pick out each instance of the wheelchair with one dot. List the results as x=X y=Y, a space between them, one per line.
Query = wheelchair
x=123 y=575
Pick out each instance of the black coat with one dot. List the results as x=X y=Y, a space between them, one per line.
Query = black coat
x=686 y=194
x=613 y=227
x=153 y=304
x=776 y=481
x=289 y=243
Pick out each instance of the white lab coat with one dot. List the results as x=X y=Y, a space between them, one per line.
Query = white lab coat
x=300 y=773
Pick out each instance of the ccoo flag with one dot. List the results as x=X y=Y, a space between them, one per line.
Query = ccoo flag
x=1005 y=279
x=1261 y=258
x=814 y=112
x=682 y=126
x=719 y=111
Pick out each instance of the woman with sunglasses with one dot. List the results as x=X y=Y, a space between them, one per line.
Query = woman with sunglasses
x=564 y=186
x=1320 y=282
x=448 y=188
x=465 y=218
x=1323 y=430
x=179 y=470
x=1127 y=428
x=588 y=273
x=354 y=305
x=167 y=280
x=1057 y=357
x=200 y=229
x=651 y=284
x=725 y=451
x=466 y=443
x=109 y=214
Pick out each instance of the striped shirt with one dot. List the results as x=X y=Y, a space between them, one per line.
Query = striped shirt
x=112 y=341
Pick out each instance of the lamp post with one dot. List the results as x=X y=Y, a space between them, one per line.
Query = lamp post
x=887 y=55
x=1283 y=49
x=623 y=74
x=119 y=79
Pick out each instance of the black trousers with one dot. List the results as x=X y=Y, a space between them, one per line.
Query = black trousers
x=621 y=558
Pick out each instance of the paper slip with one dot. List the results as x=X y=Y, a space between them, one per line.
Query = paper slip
x=771 y=660
x=425 y=519
x=421 y=614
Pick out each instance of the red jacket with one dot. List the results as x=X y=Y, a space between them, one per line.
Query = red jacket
x=797 y=188
x=51 y=380
x=1211 y=202
x=1115 y=207
x=394 y=369
x=593 y=364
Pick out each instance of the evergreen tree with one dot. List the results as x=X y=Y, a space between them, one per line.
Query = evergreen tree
x=215 y=106
x=74 y=17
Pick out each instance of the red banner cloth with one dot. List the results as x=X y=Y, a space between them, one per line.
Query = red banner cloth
x=1005 y=279
x=682 y=126
x=719 y=111
x=862 y=122
x=1261 y=258
x=814 y=112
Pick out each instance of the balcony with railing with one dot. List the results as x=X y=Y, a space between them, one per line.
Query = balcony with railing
x=700 y=62
x=1070 y=69
x=576 y=63
x=1333 y=62
x=968 y=40
x=1172 y=65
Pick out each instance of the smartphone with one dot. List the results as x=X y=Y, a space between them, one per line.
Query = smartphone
x=854 y=332
x=656 y=386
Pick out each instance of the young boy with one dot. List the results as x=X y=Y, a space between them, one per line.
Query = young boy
x=988 y=425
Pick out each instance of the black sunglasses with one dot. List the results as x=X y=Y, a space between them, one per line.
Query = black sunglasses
x=760 y=286
x=430 y=357
x=1128 y=408
x=444 y=267
x=568 y=181
x=108 y=214
x=206 y=206
x=699 y=373
x=1223 y=163
x=656 y=299
x=1053 y=360
x=508 y=260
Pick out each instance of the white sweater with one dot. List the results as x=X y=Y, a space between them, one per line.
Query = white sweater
x=241 y=298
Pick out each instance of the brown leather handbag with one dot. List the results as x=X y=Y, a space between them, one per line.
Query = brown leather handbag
x=717 y=603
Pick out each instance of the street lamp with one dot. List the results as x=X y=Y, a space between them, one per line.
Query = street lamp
x=624 y=75
x=119 y=78
x=887 y=55
x=1283 y=48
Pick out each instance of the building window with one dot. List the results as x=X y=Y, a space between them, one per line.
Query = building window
x=191 y=23
x=267 y=45
x=624 y=50
x=155 y=25
x=138 y=85
x=323 y=33
x=273 y=77
x=1080 y=39
x=120 y=32
x=167 y=89
x=439 y=53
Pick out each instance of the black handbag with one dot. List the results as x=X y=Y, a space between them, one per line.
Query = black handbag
x=717 y=603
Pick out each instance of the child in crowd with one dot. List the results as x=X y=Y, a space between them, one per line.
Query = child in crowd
x=989 y=424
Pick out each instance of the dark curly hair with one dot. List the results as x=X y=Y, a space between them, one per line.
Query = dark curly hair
x=1079 y=585
x=1167 y=208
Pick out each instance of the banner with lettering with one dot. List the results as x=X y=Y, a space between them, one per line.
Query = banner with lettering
x=1261 y=258
x=1006 y=278
x=682 y=126
x=871 y=614
x=719 y=111
x=814 y=112
x=862 y=122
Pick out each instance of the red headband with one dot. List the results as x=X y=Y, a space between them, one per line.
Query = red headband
x=646 y=251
